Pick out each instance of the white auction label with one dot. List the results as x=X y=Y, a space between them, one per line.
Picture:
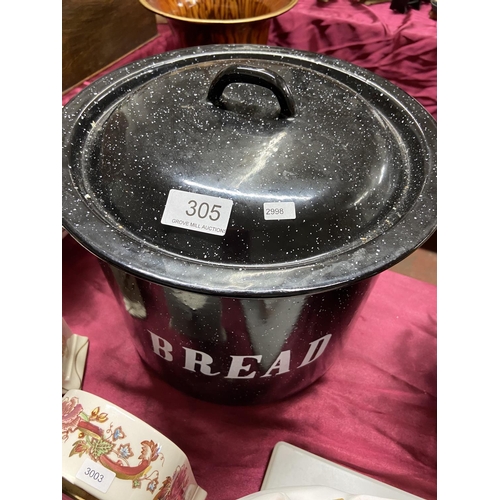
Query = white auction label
x=279 y=210
x=197 y=212
x=96 y=475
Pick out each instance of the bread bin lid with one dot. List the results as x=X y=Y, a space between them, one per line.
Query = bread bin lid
x=246 y=170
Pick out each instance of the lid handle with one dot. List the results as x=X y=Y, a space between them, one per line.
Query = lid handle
x=258 y=76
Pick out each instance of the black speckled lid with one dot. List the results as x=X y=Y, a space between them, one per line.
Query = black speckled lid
x=248 y=171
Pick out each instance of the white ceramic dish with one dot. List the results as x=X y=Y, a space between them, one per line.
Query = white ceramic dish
x=74 y=356
x=291 y=466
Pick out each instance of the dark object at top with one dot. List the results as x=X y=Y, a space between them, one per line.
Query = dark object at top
x=402 y=6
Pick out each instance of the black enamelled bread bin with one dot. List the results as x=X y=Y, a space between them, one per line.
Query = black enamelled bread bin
x=241 y=199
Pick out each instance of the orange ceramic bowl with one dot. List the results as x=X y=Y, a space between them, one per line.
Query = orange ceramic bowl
x=205 y=22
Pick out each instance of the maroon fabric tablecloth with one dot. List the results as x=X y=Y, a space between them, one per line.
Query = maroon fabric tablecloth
x=375 y=410
x=399 y=47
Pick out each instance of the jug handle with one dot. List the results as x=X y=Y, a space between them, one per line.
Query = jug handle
x=258 y=76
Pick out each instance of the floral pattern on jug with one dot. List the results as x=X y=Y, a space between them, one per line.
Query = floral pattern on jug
x=103 y=443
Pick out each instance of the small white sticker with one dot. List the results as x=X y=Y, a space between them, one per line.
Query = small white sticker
x=96 y=475
x=279 y=210
x=197 y=212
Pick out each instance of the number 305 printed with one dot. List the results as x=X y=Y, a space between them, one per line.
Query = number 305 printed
x=203 y=210
x=197 y=212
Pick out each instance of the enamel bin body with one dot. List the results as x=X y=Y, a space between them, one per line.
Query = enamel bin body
x=241 y=200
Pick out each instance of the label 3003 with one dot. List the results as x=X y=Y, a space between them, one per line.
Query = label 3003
x=93 y=474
